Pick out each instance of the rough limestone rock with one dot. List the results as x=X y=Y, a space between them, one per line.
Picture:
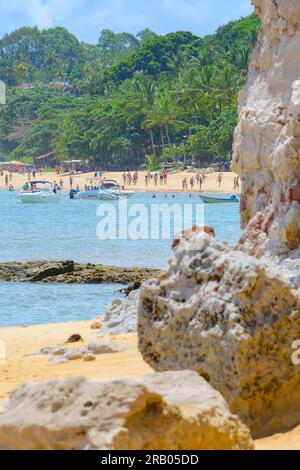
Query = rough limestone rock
x=105 y=347
x=267 y=139
x=121 y=315
x=173 y=410
x=233 y=319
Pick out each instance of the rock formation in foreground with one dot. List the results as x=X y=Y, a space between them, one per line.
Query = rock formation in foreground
x=232 y=318
x=173 y=410
x=267 y=139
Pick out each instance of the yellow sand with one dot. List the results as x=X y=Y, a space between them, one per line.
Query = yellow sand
x=21 y=366
x=174 y=181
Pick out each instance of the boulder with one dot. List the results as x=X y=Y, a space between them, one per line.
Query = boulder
x=89 y=357
x=168 y=411
x=102 y=347
x=121 y=315
x=233 y=319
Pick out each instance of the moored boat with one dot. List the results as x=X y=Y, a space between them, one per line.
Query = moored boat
x=107 y=190
x=219 y=199
x=39 y=192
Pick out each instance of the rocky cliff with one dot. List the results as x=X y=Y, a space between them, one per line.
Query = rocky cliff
x=233 y=314
x=267 y=139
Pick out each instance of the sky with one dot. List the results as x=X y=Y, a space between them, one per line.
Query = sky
x=86 y=18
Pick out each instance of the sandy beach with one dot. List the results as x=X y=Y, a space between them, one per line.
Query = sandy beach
x=24 y=365
x=174 y=182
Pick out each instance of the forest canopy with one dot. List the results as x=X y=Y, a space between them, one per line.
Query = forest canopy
x=124 y=98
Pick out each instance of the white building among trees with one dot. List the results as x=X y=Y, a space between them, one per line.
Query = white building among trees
x=2 y=93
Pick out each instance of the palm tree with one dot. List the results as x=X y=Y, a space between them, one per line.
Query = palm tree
x=165 y=114
x=144 y=89
x=228 y=83
x=153 y=163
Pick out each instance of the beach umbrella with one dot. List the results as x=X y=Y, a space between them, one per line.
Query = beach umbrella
x=13 y=162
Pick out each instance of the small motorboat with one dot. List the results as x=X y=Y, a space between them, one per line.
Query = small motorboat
x=107 y=190
x=220 y=199
x=39 y=192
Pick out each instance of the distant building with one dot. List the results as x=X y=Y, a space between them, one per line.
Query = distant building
x=26 y=86
x=51 y=86
x=2 y=93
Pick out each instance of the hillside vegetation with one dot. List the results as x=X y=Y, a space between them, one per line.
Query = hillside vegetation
x=124 y=98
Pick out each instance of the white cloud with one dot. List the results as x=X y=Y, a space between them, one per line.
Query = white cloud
x=40 y=13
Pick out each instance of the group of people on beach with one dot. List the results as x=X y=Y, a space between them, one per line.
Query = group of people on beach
x=162 y=178
x=129 y=179
x=132 y=179
x=198 y=180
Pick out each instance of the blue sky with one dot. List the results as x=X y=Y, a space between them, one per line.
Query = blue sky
x=86 y=18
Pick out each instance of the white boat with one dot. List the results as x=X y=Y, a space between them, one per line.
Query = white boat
x=107 y=190
x=39 y=192
x=219 y=199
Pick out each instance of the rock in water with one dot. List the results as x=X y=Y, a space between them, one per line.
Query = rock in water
x=173 y=410
x=267 y=139
x=233 y=319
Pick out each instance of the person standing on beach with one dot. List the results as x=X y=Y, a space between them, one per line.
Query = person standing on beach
x=200 y=182
x=155 y=179
x=192 y=183
x=146 y=180
x=220 y=178
x=61 y=183
x=71 y=181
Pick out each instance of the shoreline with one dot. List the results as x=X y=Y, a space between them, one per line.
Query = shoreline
x=24 y=365
x=174 y=183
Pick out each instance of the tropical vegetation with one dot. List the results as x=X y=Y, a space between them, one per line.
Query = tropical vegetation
x=125 y=101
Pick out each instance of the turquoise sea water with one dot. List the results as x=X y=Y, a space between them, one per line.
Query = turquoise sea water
x=68 y=231
x=28 y=304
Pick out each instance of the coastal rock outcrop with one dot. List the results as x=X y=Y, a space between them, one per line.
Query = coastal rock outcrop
x=168 y=411
x=267 y=139
x=232 y=318
x=72 y=273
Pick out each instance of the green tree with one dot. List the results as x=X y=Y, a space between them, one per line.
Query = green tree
x=153 y=163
